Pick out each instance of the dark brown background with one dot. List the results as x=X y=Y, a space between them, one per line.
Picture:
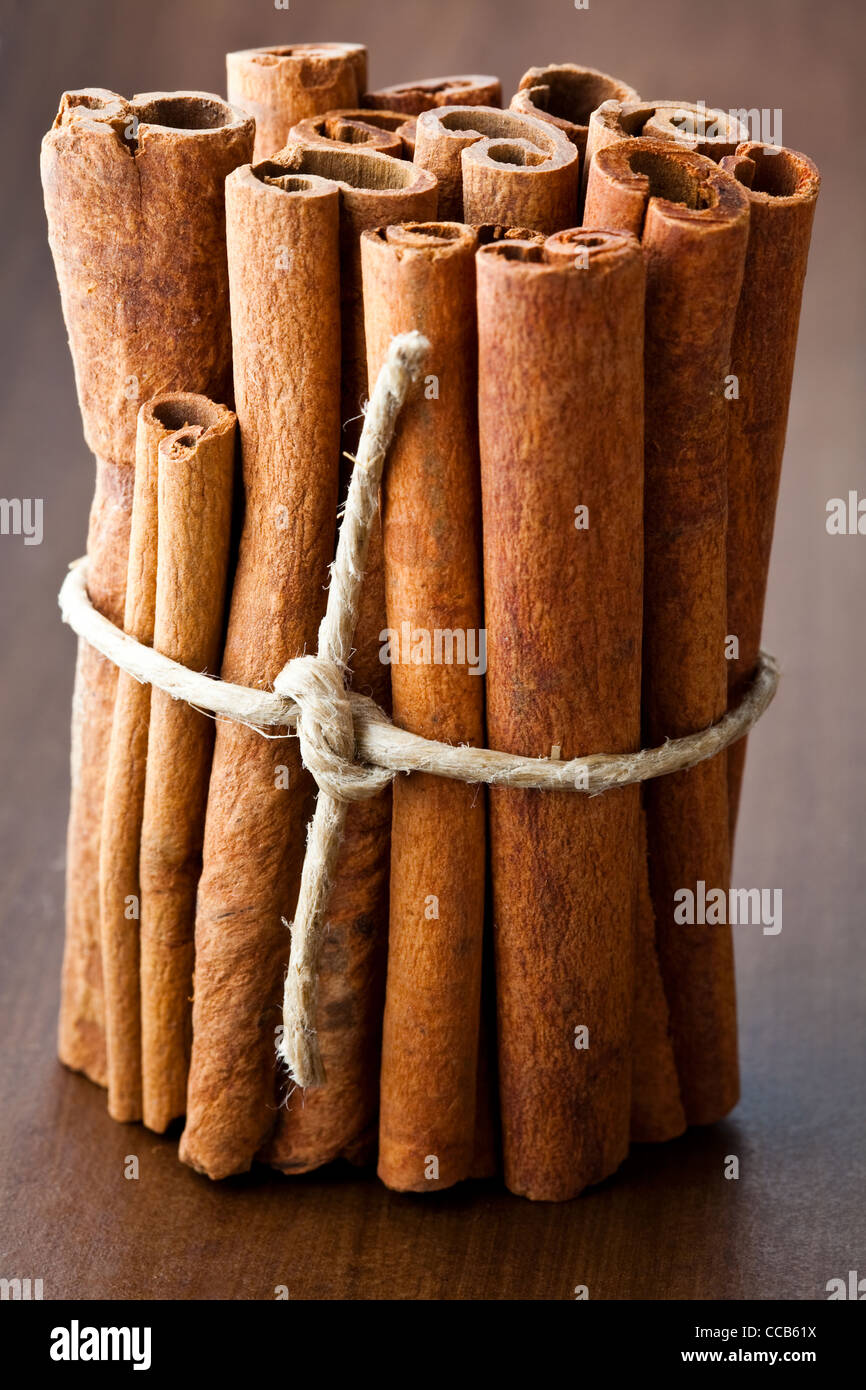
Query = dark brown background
x=668 y=1226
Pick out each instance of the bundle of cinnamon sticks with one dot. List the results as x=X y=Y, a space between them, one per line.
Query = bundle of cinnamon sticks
x=576 y=523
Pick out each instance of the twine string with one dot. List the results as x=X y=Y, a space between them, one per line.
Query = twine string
x=348 y=744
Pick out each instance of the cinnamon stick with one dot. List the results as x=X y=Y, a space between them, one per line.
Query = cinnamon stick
x=561 y=431
x=782 y=188
x=566 y=95
x=196 y=474
x=282 y=234
x=283 y=85
x=134 y=196
x=316 y=1127
x=374 y=191
x=497 y=166
x=414 y=97
x=347 y=130
x=707 y=131
x=120 y=837
x=422 y=276
x=693 y=220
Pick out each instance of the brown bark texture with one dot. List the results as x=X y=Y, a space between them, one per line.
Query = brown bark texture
x=347 y=130
x=283 y=253
x=288 y=83
x=196 y=477
x=134 y=196
x=316 y=1126
x=120 y=840
x=499 y=166
x=561 y=432
x=414 y=97
x=693 y=220
x=705 y=130
x=782 y=188
x=422 y=276
x=566 y=95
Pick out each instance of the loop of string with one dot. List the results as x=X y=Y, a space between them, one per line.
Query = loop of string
x=349 y=744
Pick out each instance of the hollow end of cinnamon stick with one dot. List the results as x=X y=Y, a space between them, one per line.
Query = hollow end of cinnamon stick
x=415 y=97
x=566 y=95
x=599 y=246
x=627 y=177
x=504 y=146
x=176 y=410
x=707 y=130
x=190 y=112
x=772 y=173
x=356 y=168
x=429 y=236
x=376 y=130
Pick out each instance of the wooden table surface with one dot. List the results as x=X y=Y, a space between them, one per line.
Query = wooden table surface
x=668 y=1225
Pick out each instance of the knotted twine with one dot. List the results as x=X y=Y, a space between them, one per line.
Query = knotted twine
x=347 y=742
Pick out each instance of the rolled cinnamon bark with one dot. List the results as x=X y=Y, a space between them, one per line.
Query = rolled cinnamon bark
x=134 y=196
x=782 y=188
x=422 y=276
x=374 y=191
x=120 y=838
x=561 y=431
x=415 y=97
x=707 y=131
x=282 y=234
x=694 y=220
x=283 y=85
x=315 y=1127
x=497 y=166
x=407 y=132
x=196 y=475
x=566 y=96
x=347 y=130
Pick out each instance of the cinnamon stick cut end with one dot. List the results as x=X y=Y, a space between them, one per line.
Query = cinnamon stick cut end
x=174 y=411
x=414 y=97
x=773 y=175
x=285 y=84
x=499 y=166
x=630 y=179
x=566 y=95
x=707 y=131
x=360 y=169
x=440 y=237
x=193 y=113
x=386 y=131
x=600 y=250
